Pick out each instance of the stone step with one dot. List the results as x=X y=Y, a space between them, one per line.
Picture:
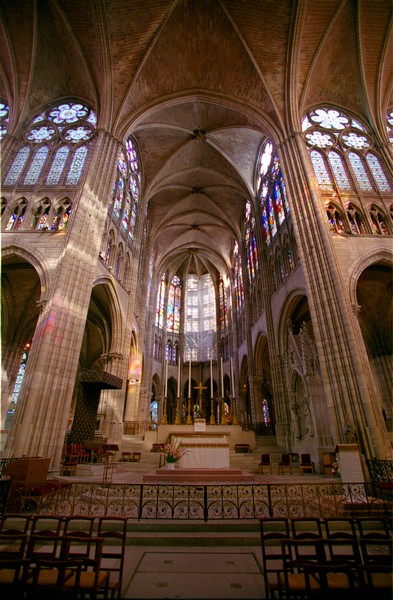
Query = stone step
x=178 y=475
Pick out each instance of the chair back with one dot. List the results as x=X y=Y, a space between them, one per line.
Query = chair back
x=12 y=545
x=265 y=459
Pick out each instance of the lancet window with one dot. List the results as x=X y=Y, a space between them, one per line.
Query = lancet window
x=251 y=243
x=238 y=276
x=55 y=148
x=223 y=305
x=4 y=118
x=160 y=304
x=389 y=125
x=200 y=317
x=18 y=213
x=346 y=163
x=271 y=191
x=174 y=304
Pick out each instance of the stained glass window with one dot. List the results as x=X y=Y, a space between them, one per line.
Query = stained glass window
x=125 y=190
x=62 y=216
x=389 y=125
x=271 y=192
x=4 y=119
x=16 y=219
x=377 y=173
x=17 y=388
x=223 y=305
x=338 y=168
x=36 y=166
x=63 y=128
x=160 y=305
x=77 y=164
x=251 y=243
x=360 y=172
x=238 y=276
x=378 y=221
x=57 y=166
x=200 y=317
x=343 y=144
x=17 y=166
x=321 y=172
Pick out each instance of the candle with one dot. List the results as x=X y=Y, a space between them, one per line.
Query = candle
x=232 y=380
x=178 y=378
x=211 y=378
x=166 y=378
x=222 y=379
x=189 y=378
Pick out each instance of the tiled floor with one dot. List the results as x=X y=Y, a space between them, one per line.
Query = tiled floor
x=187 y=573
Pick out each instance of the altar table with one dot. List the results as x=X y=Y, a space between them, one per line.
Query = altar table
x=204 y=450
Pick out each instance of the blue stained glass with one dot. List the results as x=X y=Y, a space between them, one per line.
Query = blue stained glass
x=77 y=165
x=265 y=224
x=377 y=172
x=131 y=231
x=68 y=113
x=275 y=166
x=321 y=172
x=4 y=119
x=126 y=213
x=10 y=223
x=118 y=198
x=122 y=165
x=57 y=166
x=360 y=172
x=278 y=203
x=338 y=169
x=41 y=134
x=284 y=193
x=36 y=166
x=78 y=134
x=271 y=216
x=17 y=166
x=134 y=186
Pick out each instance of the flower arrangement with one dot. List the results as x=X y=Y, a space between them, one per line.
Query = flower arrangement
x=335 y=469
x=173 y=452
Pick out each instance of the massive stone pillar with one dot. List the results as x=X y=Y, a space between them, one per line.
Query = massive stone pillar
x=346 y=375
x=40 y=420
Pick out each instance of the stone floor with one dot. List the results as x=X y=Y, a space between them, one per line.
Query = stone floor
x=160 y=569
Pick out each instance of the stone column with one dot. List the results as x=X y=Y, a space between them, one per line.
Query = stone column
x=345 y=373
x=45 y=399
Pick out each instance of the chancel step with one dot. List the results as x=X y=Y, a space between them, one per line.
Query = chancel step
x=198 y=475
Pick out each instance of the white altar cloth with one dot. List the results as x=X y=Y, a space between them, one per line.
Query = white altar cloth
x=204 y=451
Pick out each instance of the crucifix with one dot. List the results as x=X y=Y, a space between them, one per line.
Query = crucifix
x=200 y=387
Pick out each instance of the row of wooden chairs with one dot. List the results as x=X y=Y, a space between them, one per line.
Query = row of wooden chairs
x=76 y=555
x=286 y=463
x=305 y=556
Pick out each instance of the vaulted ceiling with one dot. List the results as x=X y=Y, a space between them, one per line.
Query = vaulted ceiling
x=200 y=84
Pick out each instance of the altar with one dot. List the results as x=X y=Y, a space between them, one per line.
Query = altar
x=204 y=450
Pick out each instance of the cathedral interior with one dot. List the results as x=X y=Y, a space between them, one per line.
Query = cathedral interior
x=197 y=221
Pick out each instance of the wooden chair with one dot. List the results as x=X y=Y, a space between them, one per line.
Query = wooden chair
x=373 y=527
x=15 y=523
x=79 y=526
x=136 y=456
x=328 y=458
x=306 y=464
x=292 y=581
x=340 y=527
x=113 y=530
x=48 y=579
x=285 y=463
x=327 y=581
x=126 y=457
x=13 y=545
x=13 y=575
x=266 y=461
x=273 y=531
x=92 y=579
x=305 y=528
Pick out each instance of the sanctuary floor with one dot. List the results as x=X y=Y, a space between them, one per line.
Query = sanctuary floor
x=194 y=566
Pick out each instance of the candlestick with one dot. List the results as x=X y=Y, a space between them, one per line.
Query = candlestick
x=232 y=380
x=178 y=378
x=189 y=378
x=211 y=378
x=222 y=380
